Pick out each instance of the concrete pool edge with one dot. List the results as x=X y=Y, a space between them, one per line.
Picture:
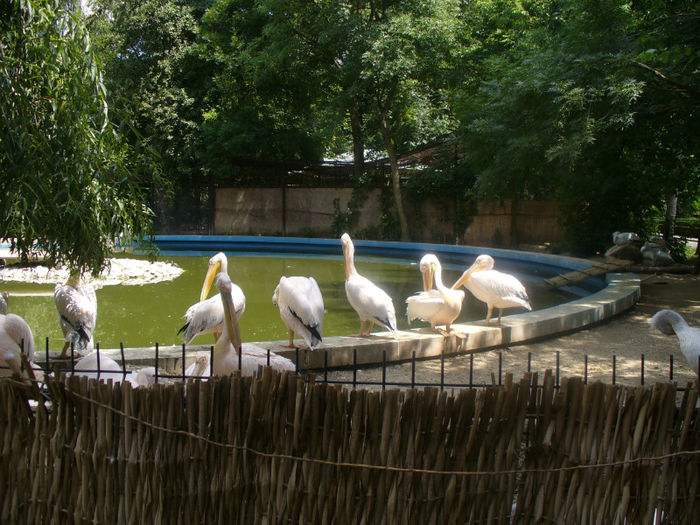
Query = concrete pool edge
x=621 y=294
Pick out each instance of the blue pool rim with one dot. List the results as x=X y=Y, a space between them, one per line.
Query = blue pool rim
x=456 y=255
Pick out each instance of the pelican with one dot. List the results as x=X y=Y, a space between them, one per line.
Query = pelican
x=76 y=304
x=15 y=338
x=669 y=323
x=496 y=289
x=109 y=369
x=436 y=306
x=228 y=346
x=301 y=308
x=4 y=301
x=207 y=316
x=369 y=301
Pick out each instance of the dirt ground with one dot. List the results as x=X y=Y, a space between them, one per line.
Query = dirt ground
x=626 y=337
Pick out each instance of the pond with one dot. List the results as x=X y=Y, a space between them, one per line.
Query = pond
x=143 y=315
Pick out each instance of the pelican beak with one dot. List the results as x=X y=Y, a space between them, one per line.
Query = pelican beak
x=209 y=279
x=465 y=277
x=428 y=278
x=230 y=320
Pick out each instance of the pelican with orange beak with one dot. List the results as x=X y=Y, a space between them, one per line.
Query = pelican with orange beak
x=207 y=316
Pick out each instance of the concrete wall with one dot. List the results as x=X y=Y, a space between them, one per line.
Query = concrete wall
x=310 y=212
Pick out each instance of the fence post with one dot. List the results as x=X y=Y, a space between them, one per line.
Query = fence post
x=413 y=369
x=156 y=376
x=354 y=368
x=613 y=371
x=642 y=364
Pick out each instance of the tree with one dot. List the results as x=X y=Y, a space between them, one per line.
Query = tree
x=562 y=110
x=71 y=186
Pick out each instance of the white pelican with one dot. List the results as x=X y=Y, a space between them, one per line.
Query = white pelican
x=229 y=345
x=435 y=306
x=369 y=301
x=76 y=304
x=496 y=289
x=4 y=301
x=15 y=338
x=670 y=322
x=207 y=316
x=301 y=308
x=110 y=369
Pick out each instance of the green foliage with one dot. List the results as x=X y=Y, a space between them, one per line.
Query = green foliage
x=70 y=183
x=564 y=110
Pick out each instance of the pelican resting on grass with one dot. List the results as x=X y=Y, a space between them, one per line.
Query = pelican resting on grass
x=76 y=304
x=441 y=305
x=301 y=308
x=496 y=289
x=669 y=323
x=109 y=369
x=228 y=346
x=15 y=338
x=4 y=301
x=207 y=316
x=369 y=301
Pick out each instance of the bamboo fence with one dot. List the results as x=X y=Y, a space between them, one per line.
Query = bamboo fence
x=280 y=448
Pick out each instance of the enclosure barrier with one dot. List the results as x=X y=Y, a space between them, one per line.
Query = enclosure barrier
x=281 y=448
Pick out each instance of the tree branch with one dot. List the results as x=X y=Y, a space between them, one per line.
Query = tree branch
x=690 y=90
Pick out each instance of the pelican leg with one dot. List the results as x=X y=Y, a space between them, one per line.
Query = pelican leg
x=488 y=314
x=369 y=330
x=291 y=340
x=362 y=330
x=500 y=313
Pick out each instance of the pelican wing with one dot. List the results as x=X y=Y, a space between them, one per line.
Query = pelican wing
x=370 y=302
x=77 y=312
x=206 y=317
x=424 y=305
x=499 y=289
x=301 y=307
x=430 y=306
x=15 y=336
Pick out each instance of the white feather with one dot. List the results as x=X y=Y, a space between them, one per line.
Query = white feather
x=15 y=337
x=300 y=304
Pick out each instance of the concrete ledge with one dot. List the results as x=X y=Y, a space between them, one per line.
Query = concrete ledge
x=620 y=294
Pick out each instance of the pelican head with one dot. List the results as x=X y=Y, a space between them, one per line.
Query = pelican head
x=428 y=265
x=482 y=263
x=218 y=263
x=223 y=283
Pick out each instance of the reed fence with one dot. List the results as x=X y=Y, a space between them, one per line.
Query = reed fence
x=283 y=448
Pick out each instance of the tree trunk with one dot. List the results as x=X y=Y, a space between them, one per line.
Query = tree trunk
x=670 y=220
x=358 y=141
x=395 y=179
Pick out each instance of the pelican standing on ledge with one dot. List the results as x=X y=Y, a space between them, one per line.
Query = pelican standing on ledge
x=435 y=306
x=15 y=338
x=369 y=301
x=669 y=323
x=496 y=289
x=228 y=346
x=301 y=308
x=207 y=316
x=76 y=304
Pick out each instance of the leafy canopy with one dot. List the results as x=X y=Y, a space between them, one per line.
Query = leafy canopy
x=70 y=184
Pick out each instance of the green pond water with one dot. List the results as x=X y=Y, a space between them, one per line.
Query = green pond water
x=143 y=315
